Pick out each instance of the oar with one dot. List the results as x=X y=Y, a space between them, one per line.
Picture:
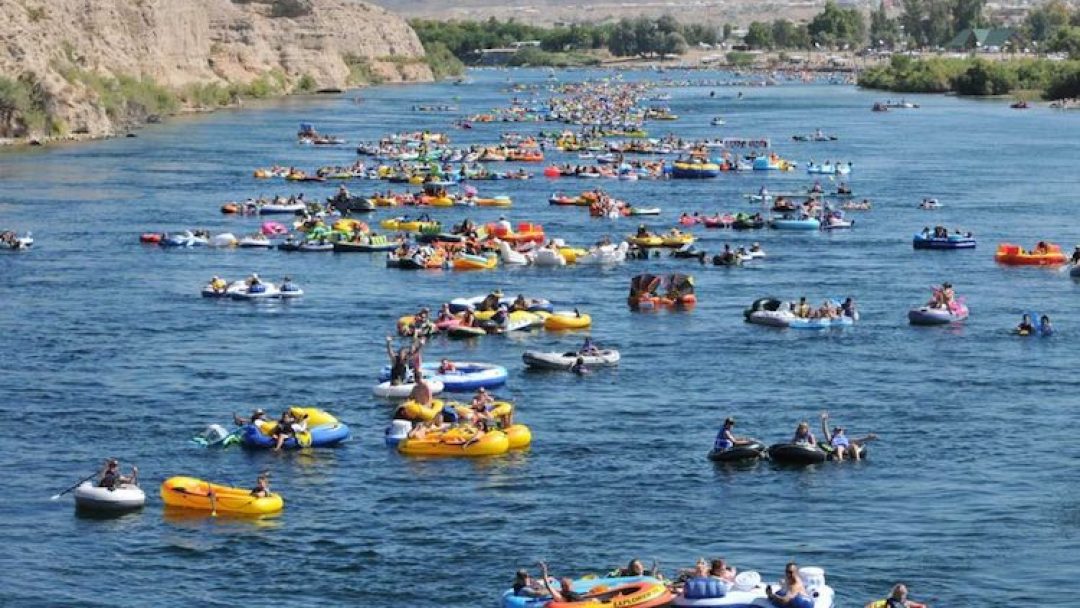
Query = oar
x=77 y=484
x=213 y=503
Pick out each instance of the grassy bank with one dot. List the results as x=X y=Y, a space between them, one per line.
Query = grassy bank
x=975 y=76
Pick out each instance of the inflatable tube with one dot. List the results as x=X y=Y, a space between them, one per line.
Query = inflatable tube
x=795 y=224
x=462 y=332
x=192 y=493
x=518 y=436
x=925 y=315
x=751 y=451
x=534 y=304
x=456 y=442
x=323 y=431
x=613 y=592
x=1014 y=255
x=796 y=454
x=567 y=319
x=468 y=376
x=554 y=360
x=954 y=241
x=91 y=497
x=385 y=390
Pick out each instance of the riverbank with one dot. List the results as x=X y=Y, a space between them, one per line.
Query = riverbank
x=976 y=76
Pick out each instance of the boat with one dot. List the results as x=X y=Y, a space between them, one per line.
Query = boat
x=1044 y=254
x=468 y=375
x=608 y=592
x=556 y=360
x=567 y=319
x=750 y=451
x=191 y=493
x=926 y=315
x=748 y=591
x=323 y=430
x=385 y=390
x=456 y=442
x=124 y=497
x=952 y=241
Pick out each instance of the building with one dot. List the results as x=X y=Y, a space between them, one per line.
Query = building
x=991 y=40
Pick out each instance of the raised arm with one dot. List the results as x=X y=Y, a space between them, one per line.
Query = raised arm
x=825 y=427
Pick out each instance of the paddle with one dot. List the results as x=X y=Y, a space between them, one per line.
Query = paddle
x=77 y=484
x=213 y=502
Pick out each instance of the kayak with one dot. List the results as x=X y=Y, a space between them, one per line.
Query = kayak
x=324 y=430
x=468 y=375
x=192 y=493
x=125 y=497
x=456 y=442
x=554 y=360
x=567 y=319
x=385 y=390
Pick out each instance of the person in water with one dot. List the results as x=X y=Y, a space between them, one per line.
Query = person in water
x=1044 y=326
x=519 y=304
x=1025 y=328
x=578 y=366
x=792 y=593
x=1075 y=259
x=898 y=598
x=726 y=439
x=262 y=486
x=446 y=365
x=803 y=436
x=289 y=425
x=110 y=476
x=840 y=443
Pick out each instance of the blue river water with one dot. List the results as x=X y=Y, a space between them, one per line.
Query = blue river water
x=970 y=495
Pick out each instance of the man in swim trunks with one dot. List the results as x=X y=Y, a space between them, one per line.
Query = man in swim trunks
x=793 y=593
x=564 y=593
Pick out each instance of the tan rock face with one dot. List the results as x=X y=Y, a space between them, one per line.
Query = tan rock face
x=183 y=42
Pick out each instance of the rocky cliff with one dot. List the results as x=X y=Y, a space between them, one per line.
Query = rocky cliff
x=94 y=66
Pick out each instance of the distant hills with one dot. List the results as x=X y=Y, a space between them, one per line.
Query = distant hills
x=547 y=12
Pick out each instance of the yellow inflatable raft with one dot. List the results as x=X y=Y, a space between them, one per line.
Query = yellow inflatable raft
x=458 y=441
x=423 y=413
x=567 y=319
x=192 y=493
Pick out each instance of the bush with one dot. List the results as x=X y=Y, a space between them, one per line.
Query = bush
x=442 y=62
x=306 y=84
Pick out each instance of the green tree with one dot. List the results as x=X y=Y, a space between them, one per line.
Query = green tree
x=783 y=33
x=728 y=29
x=837 y=27
x=1044 y=20
x=759 y=35
x=1065 y=40
x=884 y=31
